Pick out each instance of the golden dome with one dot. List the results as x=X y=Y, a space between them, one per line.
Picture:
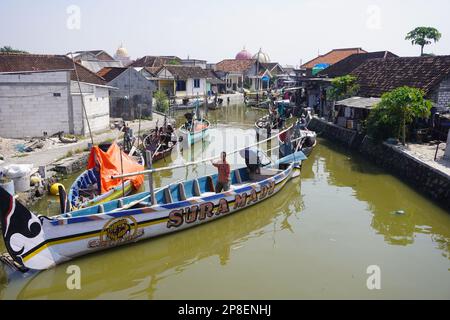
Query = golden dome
x=262 y=57
x=122 y=52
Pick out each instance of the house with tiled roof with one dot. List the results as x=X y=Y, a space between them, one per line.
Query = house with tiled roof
x=156 y=61
x=45 y=94
x=378 y=76
x=235 y=71
x=347 y=65
x=131 y=93
x=95 y=60
x=430 y=74
x=332 y=57
x=183 y=81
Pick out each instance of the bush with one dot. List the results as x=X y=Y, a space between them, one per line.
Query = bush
x=162 y=101
x=397 y=109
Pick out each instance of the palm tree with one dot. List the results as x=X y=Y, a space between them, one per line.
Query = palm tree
x=422 y=36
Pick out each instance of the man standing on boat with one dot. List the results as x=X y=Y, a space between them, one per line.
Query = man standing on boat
x=223 y=168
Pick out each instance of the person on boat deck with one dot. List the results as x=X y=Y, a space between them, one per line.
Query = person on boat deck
x=223 y=168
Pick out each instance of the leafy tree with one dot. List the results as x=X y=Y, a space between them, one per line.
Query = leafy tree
x=343 y=87
x=173 y=62
x=9 y=49
x=162 y=101
x=423 y=36
x=397 y=109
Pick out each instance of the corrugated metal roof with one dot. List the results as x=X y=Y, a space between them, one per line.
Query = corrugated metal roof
x=359 y=102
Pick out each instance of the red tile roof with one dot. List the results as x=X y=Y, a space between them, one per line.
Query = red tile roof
x=234 y=65
x=377 y=76
x=14 y=62
x=332 y=57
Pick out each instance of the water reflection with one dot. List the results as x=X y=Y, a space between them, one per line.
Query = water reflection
x=325 y=228
x=134 y=271
x=399 y=212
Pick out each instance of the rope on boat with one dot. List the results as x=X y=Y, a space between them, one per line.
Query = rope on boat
x=187 y=164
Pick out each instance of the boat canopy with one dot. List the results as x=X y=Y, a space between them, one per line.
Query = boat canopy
x=255 y=156
x=111 y=163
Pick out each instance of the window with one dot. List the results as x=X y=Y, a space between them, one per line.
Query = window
x=57 y=94
x=196 y=83
x=181 y=85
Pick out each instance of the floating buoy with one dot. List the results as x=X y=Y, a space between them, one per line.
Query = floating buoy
x=54 y=189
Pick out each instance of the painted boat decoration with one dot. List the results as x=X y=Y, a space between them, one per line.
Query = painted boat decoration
x=194 y=130
x=39 y=242
x=94 y=185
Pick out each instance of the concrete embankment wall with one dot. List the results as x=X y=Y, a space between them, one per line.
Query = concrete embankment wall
x=428 y=180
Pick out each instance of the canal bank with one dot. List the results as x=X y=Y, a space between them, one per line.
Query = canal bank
x=423 y=176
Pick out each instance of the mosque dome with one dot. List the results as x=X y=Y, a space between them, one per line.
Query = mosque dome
x=122 y=52
x=243 y=55
x=262 y=57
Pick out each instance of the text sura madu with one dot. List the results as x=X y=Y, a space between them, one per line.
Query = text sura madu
x=203 y=211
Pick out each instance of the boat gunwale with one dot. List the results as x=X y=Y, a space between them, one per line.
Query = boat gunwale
x=60 y=219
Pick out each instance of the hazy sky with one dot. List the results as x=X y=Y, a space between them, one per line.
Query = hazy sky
x=288 y=30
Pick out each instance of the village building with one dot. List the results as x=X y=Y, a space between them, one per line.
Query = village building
x=350 y=113
x=194 y=63
x=95 y=60
x=347 y=65
x=155 y=61
x=431 y=74
x=322 y=62
x=132 y=95
x=182 y=81
x=234 y=71
x=40 y=95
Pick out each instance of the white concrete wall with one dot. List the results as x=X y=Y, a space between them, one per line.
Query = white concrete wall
x=96 y=101
x=191 y=91
x=28 y=106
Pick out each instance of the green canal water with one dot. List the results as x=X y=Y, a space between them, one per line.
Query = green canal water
x=315 y=239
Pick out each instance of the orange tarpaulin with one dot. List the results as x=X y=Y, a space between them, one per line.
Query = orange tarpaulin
x=110 y=165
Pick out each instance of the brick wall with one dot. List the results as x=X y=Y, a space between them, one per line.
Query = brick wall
x=28 y=106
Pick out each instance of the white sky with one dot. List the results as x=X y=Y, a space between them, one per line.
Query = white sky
x=288 y=30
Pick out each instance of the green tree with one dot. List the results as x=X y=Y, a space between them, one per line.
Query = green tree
x=396 y=111
x=423 y=36
x=9 y=49
x=343 y=87
x=162 y=101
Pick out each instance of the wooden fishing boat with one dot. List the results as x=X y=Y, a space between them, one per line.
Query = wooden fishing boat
x=301 y=139
x=40 y=242
x=160 y=144
x=194 y=130
x=266 y=127
x=93 y=187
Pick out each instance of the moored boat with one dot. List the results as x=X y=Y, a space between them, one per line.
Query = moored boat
x=299 y=138
x=94 y=186
x=194 y=130
x=40 y=242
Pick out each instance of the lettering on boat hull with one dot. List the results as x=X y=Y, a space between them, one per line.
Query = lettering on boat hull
x=208 y=210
